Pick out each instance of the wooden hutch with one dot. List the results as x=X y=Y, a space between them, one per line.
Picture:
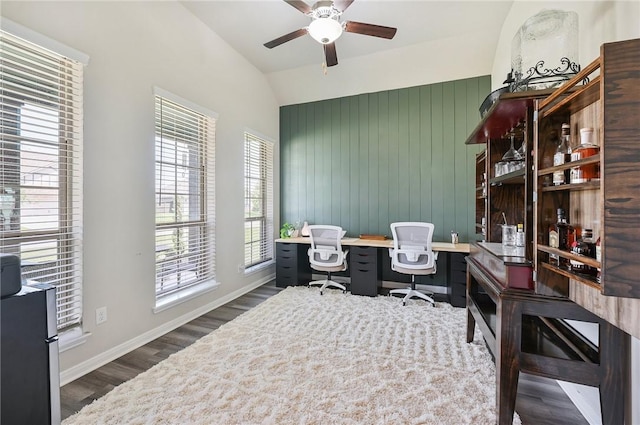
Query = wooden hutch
x=520 y=301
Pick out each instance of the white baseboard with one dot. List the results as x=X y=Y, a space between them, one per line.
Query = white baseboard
x=586 y=399
x=81 y=369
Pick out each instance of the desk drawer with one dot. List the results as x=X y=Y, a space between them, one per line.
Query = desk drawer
x=458 y=276
x=288 y=261
x=286 y=271
x=286 y=249
x=458 y=262
x=458 y=301
x=365 y=282
x=361 y=253
x=359 y=266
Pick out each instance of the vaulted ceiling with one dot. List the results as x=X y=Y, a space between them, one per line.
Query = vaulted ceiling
x=247 y=24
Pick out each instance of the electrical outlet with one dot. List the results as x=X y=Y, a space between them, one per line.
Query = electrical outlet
x=240 y=268
x=101 y=315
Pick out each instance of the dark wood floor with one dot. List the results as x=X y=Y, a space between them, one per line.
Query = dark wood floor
x=540 y=401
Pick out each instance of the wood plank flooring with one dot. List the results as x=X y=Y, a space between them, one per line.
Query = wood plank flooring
x=540 y=401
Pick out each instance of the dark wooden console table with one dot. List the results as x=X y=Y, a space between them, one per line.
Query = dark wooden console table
x=527 y=333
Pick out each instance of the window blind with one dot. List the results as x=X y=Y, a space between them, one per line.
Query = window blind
x=258 y=200
x=185 y=158
x=41 y=169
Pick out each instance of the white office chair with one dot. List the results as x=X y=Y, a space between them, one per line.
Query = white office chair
x=412 y=254
x=326 y=254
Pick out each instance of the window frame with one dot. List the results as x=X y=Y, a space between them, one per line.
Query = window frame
x=265 y=147
x=43 y=104
x=193 y=135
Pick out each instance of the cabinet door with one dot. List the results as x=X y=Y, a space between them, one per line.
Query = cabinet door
x=620 y=88
x=610 y=203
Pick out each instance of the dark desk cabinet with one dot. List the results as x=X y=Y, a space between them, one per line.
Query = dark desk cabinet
x=292 y=264
x=365 y=265
x=457 y=285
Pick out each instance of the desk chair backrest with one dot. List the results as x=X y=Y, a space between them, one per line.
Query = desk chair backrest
x=326 y=249
x=412 y=245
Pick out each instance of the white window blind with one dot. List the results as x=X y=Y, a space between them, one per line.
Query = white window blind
x=41 y=169
x=185 y=149
x=258 y=200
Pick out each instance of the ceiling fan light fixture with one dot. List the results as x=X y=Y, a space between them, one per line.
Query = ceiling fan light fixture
x=325 y=30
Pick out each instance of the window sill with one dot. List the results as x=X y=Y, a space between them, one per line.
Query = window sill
x=259 y=267
x=72 y=338
x=187 y=294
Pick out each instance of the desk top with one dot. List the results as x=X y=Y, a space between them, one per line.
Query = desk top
x=387 y=243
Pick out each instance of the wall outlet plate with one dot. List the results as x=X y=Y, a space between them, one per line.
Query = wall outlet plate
x=101 y=315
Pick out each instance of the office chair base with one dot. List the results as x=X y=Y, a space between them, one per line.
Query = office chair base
x=328 y=283
x=410 y=293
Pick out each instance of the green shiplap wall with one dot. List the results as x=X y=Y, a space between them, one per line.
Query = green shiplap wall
x=363 y=162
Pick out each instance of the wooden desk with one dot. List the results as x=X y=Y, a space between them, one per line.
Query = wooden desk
x=387 y=243
x=369 y=261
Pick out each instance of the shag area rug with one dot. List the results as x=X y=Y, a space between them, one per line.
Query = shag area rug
x=302 y=358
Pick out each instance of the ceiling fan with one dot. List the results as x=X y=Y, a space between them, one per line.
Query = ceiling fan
x=325 y=26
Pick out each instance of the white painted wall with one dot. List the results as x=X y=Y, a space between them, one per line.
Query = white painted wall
x=431 y=62
x=599 y=22
x=134 y=46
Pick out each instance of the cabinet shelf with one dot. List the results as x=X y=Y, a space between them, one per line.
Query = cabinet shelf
x=514 y=177
x=595 y=159
x=582 y=97
x=587 y=280
x=592 y=185
x=569 y=255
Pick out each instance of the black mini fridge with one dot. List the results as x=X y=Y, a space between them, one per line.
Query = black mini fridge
x=29 y=368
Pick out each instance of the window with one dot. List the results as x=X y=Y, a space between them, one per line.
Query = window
x=41 y=168
x=185 y=251
x=258 y=200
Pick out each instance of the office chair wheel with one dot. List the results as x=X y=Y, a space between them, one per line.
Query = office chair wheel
x=320 y=292
x=404 y=303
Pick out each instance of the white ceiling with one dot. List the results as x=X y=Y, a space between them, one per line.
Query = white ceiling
x=247 y=24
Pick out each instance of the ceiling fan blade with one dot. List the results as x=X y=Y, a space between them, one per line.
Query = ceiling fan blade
x=287 y=37
x=342 y=5
x=330 y=55
x=300 y=5
x=370 y=29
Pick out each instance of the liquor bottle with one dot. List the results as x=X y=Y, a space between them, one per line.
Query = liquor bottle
x=586 y=149
x=561 y=236
x=586 y=247
x=562 y=156
x=520 y=235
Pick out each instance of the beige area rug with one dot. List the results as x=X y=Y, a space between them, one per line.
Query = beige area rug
x=302 y=358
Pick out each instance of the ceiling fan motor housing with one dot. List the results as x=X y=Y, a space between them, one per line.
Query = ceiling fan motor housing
x=324 y=9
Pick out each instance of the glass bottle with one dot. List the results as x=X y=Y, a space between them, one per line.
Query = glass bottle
x=586 y=149
x=562 y=156
x=520 y=235
x=561 y=236
x=584 y=246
